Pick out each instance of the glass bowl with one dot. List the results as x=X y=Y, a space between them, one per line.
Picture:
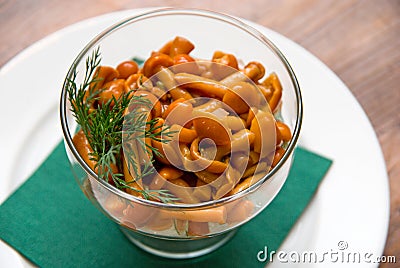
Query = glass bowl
x=179 y=229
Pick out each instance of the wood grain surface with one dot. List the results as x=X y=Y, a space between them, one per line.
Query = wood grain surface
x=358 y=39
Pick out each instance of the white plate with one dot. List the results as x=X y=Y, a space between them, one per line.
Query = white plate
x=352 y=202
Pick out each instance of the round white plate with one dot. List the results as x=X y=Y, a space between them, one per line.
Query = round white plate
x=352 y=202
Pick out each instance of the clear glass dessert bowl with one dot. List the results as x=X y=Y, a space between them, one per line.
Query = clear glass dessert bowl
x=199 y=209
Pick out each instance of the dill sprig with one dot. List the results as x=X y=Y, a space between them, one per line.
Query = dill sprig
x=107 y=127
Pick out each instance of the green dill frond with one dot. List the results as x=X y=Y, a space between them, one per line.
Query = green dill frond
x=107 y=127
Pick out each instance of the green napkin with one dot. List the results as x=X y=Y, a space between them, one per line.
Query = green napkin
x=50 y=221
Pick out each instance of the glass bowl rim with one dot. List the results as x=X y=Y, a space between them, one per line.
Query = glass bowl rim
x=182 y=11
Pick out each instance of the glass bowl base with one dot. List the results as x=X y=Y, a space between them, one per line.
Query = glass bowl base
x=178 y=248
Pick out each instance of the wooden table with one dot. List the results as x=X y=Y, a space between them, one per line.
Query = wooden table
x=358 y=39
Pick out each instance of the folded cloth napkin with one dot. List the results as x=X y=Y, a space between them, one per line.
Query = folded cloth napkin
x=50 y=222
